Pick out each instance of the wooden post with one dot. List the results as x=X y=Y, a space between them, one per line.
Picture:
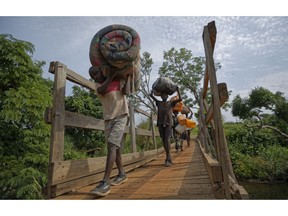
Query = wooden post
x=58 y=119
x=216 y=108
x=132 y=127
x=58 y=114
x=153 y=130
x=203 y=124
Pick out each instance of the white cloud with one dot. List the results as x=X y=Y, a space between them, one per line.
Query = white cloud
x=248 y=48
x=275 y=82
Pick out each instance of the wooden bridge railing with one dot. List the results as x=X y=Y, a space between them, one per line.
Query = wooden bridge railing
x=65 y=176
x=211 y=134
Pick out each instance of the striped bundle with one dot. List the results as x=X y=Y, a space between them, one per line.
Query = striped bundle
x=116 y=49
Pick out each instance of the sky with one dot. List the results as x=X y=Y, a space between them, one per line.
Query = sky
x=251 y=49
x=251 y=44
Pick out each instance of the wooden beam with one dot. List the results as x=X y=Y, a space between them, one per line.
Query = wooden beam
x=57 y=118
x=132 y=128
x=219 y=134
x=92 y=179
x=136 y=109
x=69 y=175
x=203 y=126
x=223 y=97
x=73 y=77
x=212 y=167
x=143 y=132
x=81 y=121
x=78 y=79
x=73 y=169
x=212 y=36
x=237 y=191
x=223 y=93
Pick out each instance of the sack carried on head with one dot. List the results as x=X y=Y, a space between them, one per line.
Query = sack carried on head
x=164 y=85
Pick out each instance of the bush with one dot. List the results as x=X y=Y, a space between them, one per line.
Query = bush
x=255 y=154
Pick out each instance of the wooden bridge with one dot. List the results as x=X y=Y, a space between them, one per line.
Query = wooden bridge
x=186 y=179
x=201 y=171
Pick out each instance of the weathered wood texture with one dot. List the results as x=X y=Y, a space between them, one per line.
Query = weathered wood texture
x=82 y=121
x=64 y=176
x=214 y=146
x=71 y=175
x=197 y=173
x=186 y=179
x=209 y=48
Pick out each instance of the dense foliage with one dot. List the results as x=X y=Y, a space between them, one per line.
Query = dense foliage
x=86 y=103
x=186 y=71
x=258 y=145
x=262 y=106
x=142 y=97
x=24 y=136
x=255 y=153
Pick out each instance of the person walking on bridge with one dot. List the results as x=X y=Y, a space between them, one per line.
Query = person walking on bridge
x=186 y=110
x=165 y=121
x=115 y=114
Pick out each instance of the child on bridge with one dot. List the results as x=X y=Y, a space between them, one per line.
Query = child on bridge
x=175 y=133
x=186 y=110
x=165 y=121
x=115 y=114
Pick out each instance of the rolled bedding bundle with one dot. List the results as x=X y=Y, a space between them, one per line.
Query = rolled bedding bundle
x=116 y=49
x=164 y=85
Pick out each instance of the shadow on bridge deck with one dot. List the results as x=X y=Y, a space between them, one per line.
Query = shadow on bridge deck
x=186 y=179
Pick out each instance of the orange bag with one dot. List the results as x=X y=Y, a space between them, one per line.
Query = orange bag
x=190 y=123
x=178 y=107
x=181 y=119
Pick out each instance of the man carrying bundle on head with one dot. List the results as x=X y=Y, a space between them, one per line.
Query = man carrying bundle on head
x=164 y=87
x=114 y=55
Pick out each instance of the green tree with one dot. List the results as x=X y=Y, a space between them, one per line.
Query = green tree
x=256 y=154
x=86 y=103
x=142 y=97
x=24 y=136
x=240 y=107
x=186 y=71
x=265 y=108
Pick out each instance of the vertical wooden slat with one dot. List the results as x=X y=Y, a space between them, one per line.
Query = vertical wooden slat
x=203 y=124
x=58 y=119
x=153 y=130
x=205 y=83
x=212 y=37
x=132 y=127
x=216 y=110
x=58 y=114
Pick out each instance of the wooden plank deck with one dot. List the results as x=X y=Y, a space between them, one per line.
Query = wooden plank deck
x=187 y=179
